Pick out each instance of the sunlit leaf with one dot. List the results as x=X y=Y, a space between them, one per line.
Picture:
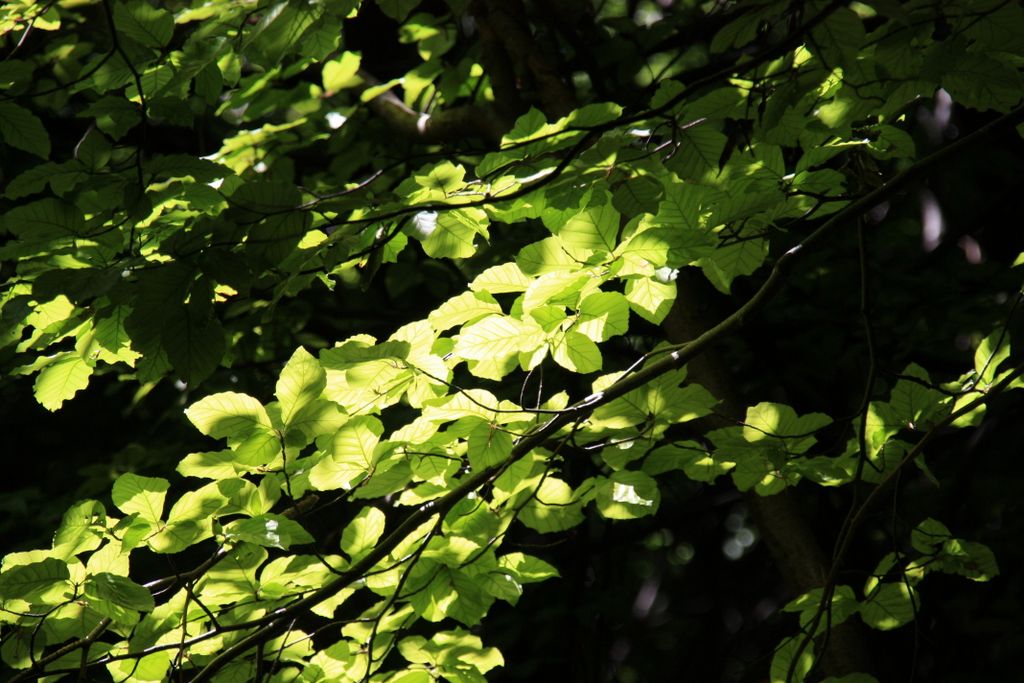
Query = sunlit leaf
x=228 y=415
x=141 y=495
x=272 y=531
x=362 y=532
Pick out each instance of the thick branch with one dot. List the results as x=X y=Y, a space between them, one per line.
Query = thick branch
x=452 y=125
x=498 y=65
x=506 y=21
x=799 y=557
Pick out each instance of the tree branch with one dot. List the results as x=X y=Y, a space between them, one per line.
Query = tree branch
x=451 y=125
x=506 y=20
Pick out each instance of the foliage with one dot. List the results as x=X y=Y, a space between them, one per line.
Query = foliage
x=205 y=193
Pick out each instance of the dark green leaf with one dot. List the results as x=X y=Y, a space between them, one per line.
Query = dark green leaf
x=22 y=129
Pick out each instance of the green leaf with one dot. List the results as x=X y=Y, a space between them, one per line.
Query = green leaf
x=351 y=457
x=31 y=581
x=301 y=382
x=228 y=415
x=577 y=352
x=148 y=25
x=499 y=279
x=63 y=377
x=627 y=495
x=23 y=130
x=593 y=114
x=501 y=585
x=487 y=445
x=151 y=667
x=363 y=532
x=729 y=261
x=551 y=507
x=594 y=229
x=782 y=661
x=557 y=287
x=271 y=531
x=768 y=421
x=843 y=605
x=178 y=536
x=497 y=336
x=194 y=343
x=60 y=177
x=144 y=496
x=280 y=29
x=442 y=179
x=739 y=31
x=397 y=9
x=44 y=220
x=700 y=149
x=340 y=73
x=928 y=536
x=694 y=460
x=841 y=35
x=81 y=527
x=603 y=315
x=545 y=256
x=455 y=232
x=650 y=299
x=637 y=195
x=115 y=116
x=234 y=577
x=317 y=418
x=982 y=82
x=412 y=676
x=112 y=338
x=464 y=308
x=518 y=481
x=287 y=575
x=208 y=465
x=526 y=568
x=671 y=247
x=681 y=207
x=889 y=606
x=186 y=166
x=118 y=590
x=990 y=354
x=966 y=558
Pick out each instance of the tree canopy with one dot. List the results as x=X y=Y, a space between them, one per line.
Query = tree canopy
x=328 y=328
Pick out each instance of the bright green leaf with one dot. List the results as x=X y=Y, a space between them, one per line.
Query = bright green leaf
x=272 y=531
x=228 y=415
x=627 y=495
x=351 y=457
x=362 y=533
x=61 y=379
x=301 y=382
x=141 y=495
